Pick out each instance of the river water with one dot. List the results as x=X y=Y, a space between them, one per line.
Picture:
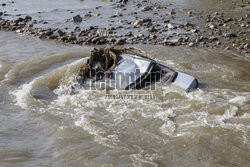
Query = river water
x=41 y=124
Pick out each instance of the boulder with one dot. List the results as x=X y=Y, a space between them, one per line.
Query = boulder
x=77 y=18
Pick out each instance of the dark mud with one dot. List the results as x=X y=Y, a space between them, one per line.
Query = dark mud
x=133 y=22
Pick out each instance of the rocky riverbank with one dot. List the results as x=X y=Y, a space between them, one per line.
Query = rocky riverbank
x=145 y=22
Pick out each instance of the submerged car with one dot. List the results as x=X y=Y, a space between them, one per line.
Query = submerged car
x=129 y=68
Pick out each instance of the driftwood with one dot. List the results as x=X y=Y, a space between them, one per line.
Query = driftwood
x=103 y=61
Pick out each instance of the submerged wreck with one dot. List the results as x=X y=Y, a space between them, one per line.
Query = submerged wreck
x=128 y=68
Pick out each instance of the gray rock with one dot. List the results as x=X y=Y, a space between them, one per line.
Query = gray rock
x=96 y=39
x=129 y=34
x=87 y=15
x=246 y=46
x=19 y=31
x=171 y=42
x=211 y=26
x=123 y=1
x=172 y=13
x=112 y=40
x=174 y=41
x=30 y=25
x=166 y=21
x=72 y=38
x=60 y=33
x=153 y=29
x=139 y=22
x=140 y=36
x=170 y=26
x=146 y=8
x=229 y=35
x=76 y=28
x=120 y=42
x=218 y=43
x=228 y=20
x=193 y=30
x=77 y=18
x=102 y=32
x=28 y=18
x=152 y=36
x=48 y=32
x=191 y=44
x=243 y=25
x=213 y=38
x=187 y=24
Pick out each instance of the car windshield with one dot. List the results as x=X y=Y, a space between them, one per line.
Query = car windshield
x=129 y=70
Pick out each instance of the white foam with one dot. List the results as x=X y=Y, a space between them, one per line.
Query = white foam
x=22 y=95
x=178 y=112
x=143 y=159
x=97 y=132
x=168 y=128
x=240 y=100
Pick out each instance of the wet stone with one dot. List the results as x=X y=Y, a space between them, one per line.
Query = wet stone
x=149 y=32
x=129 y=34
x=138 y=23
x=60 y=33
x=77 y=18
x=187 y=24
x=76 y=28
x=228 y=20
x=218 y=43
x=193 y=30
x=123 y=1
x=243 y=25
x=246 y=46
x=72 y=38
x=211 y=26
x=112 y=40
x=213 y=38
x=166 y=21
x=30 y=25
x=86 y=15
x=191 y=44
x=172 y=13
x=153 y=29
x=28 y=18
x=120 y=42
x=146 y=8
x=96 y=39
x=230 y=35
x=170 y=26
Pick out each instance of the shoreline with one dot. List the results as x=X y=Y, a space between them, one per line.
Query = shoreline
x=152 y=23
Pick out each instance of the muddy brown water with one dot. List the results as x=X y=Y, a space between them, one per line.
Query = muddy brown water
x=41 y=124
